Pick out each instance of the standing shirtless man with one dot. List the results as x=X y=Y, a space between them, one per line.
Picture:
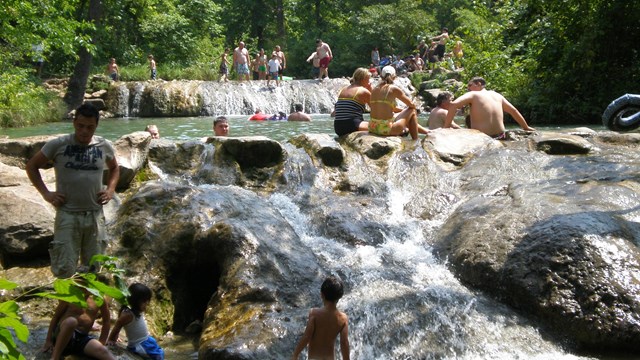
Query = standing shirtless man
x=442 y=43
x=283 y=60
x=241 y=61
x=487 y=109
x=325 y=55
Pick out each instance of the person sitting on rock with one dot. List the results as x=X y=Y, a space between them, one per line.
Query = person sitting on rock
x=439 y=113
x=383 y=106
x=487 y=110
x=131 y=318
x=69 y=329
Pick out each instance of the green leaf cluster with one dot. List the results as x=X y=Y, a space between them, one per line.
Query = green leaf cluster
x=10 y=319
x=71 y=290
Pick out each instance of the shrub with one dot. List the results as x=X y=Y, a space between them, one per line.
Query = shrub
x=24 y=103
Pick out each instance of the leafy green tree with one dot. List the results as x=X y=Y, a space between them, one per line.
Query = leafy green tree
x=78 y=81
x=24 y=24
x=587 y=55
x=487 y=51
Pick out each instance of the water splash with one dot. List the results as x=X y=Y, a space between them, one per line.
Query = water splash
x=405 y=304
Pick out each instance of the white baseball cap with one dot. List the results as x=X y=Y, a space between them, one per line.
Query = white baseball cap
x=388 y=70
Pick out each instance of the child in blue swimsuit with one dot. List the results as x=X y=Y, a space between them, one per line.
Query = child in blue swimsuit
x=132 y=320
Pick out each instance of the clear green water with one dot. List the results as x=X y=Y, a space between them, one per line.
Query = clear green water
x=188 y=128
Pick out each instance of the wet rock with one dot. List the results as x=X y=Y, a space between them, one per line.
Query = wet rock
x=321 y=146
x=374 y=147
x=17 y=152
x=26 y=224
x=456 y=146
x=250 y=151
x=554 y=236
x=557 y=254
x=196 y=98
x=562 y=144
x=175 y=158
x=240 y=246
x=131 y=150
x=610 y=137
x=97 y=103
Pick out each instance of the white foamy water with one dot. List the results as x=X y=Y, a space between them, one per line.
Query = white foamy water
x=403 y=303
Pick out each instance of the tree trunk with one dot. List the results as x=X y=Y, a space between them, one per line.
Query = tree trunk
x=78 y=81
x=317 y=15
x=280 y=20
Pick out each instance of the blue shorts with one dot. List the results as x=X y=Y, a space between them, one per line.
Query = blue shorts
x=242 y=69
x=148 y=349
x=274 y=75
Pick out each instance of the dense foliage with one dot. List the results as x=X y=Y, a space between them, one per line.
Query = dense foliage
x=558 y=61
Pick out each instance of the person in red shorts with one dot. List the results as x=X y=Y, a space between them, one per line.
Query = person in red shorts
x=325 y=55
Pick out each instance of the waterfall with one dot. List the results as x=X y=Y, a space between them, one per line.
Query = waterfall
x=210 y=98
x=403 y=303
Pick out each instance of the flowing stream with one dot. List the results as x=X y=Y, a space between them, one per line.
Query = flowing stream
x=189 y=128
x=405 y=304
x=402 y=302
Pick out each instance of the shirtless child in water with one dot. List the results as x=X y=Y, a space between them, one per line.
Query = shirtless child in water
x=325 y=324
x=69 y=330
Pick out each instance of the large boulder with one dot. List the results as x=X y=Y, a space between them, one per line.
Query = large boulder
x=562 y=144
x=26 y=224
x=556 y=253
x=322 y=147
x=372 y=146
x=131 y=150
x=171 y=98
x=17 y=152
x=456 y=146
x=226 y=264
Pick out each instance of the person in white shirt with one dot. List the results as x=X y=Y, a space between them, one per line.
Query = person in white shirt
x=274 y=67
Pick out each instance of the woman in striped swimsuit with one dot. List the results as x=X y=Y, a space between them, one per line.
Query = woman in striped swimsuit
x=383 y=106
x=351 y=104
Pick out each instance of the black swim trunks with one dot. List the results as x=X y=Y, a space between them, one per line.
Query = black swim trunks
x=77 y=343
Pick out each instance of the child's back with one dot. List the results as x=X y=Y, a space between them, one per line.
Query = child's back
x=325 y=324
x=329 y=323
x=136 y=330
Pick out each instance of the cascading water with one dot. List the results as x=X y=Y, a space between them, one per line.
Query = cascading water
x=402 y=302
x=198 y=98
